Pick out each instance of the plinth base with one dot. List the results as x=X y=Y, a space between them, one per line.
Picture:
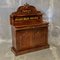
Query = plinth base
x=29 y=50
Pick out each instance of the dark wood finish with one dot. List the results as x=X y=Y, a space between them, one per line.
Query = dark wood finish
x=29 y=31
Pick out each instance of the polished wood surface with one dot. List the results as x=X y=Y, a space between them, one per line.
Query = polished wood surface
x=29 y=31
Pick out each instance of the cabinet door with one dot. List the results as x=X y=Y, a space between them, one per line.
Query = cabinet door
x=40 y=37
x=24 y=39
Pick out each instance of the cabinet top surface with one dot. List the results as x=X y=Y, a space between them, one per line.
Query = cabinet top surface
x=31 y=24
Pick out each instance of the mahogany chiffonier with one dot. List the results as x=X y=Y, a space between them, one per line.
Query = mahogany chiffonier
x=29 y=31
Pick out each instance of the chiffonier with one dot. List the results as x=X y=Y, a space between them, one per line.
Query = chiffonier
x=29 y=30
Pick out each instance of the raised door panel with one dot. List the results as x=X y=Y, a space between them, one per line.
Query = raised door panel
x=40 y=37
x=24 y=39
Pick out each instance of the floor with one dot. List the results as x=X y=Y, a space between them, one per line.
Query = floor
x=52 y=53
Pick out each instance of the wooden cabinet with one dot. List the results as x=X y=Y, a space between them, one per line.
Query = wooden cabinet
x=29 y=31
